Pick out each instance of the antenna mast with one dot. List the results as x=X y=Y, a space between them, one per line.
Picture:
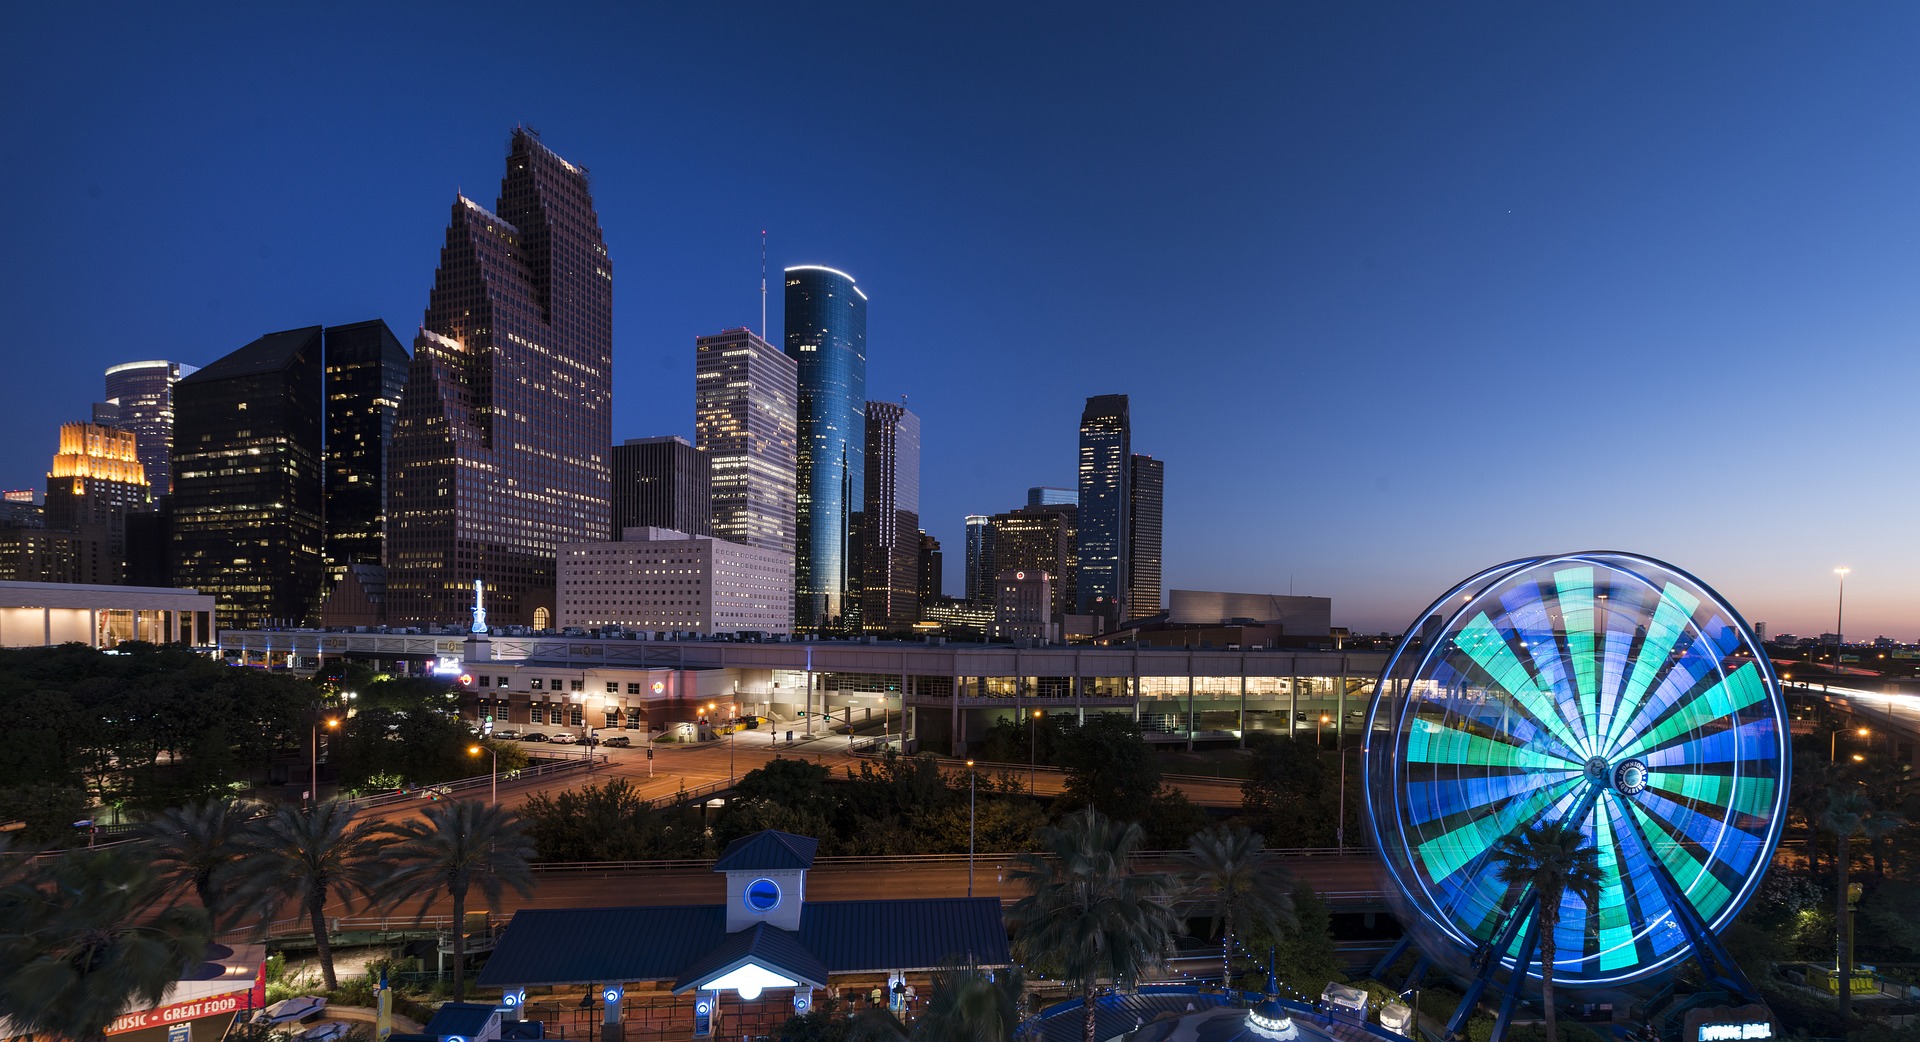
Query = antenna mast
x=763 y=283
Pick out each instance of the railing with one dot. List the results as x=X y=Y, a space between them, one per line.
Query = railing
x=478 y=781
x=863 y=747
x=668 y=865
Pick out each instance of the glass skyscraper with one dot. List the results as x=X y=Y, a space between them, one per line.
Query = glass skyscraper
x=142 y=396
x=1106 y=450
x=979 y=563
x=366 y=371
x=501 y=452
x=827 y=336
x=890 y=521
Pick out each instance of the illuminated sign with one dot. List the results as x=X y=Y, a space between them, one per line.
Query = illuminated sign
x=1732 y=1032
x=448 y=666
x=611 y=994
x=658 y=687
x=703 y=1017
x=178 y=1012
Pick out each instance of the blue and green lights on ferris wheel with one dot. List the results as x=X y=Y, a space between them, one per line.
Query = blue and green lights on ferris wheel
x=1606 y=689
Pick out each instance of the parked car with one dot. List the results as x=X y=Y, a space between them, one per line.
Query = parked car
x=534 y=736
x=619 y=741
x=508 y=735
x=565 y=738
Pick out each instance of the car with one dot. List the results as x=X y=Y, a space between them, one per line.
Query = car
x=565 y=738
x=508 y=735
x=534 y=736
x=619 y=741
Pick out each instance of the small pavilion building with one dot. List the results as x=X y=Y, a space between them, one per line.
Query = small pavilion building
x=745 y=966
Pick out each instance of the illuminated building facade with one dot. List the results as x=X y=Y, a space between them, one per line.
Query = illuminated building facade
x=979 y=562
x=246 y=481
x=1146 y=492
x=500 y=454
x=890 y=520
x=744 y=395
x=659 y=580
x=141 y=396
x=662 y=483
x=366 y=370
x=1106 y=450
x=1037 y=541
x=95 y=482
x=827 y=335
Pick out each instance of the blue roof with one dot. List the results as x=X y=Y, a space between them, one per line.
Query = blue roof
x=769 y=947
x=466 y=1019
x=768 y=851
x=587 y=945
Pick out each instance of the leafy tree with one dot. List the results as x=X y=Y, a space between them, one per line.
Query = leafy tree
x=1290 y=794
x=609 y=821
x=969 y=1005
x=49 y=810
x=1228 y=872
x=194 y=847
x=311 y=855
x=80 y=942
x=1172 y=818
x=455 y=846
x=1088 y=915
x=1551 y=858
x=1109 y=767
x=1304 y=958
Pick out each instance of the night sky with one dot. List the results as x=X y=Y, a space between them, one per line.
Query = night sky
x=1399 y=291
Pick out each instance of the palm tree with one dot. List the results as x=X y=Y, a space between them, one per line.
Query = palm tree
x=1553 y=858
x=80 y=942
x=313 y=854
x=968 y=1005
x=1848 y=813
x=456 y=846
x=193 y=846
x=1088 y=916
x=1227 y=870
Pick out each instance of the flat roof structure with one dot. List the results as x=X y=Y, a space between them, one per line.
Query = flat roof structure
x=34 y=615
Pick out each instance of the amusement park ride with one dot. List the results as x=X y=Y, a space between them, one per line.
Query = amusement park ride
x=1606 y=691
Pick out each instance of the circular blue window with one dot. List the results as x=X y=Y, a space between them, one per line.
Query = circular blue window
x=763 y=895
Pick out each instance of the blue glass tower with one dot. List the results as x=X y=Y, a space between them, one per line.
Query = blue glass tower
x=827 y=337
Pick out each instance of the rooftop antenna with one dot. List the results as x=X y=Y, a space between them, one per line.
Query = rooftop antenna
x=763 y=283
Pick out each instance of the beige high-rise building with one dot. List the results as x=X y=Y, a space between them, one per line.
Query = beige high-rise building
x=659 y=580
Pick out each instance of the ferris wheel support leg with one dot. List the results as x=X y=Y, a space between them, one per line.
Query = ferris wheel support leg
x=1519 y=977
x=1489 y=964
x=1385 y=965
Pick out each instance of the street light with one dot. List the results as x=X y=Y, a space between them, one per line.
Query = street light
x=970 y=825
x=1033 y=750
x=313 y=776
x=1839 y=616
x=1833 y=743
x=475 y=750
x=1320 y=735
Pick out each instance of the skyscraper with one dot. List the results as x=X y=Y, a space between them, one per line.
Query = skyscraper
x=500 y=453
x=1035 y=541
x=142 y=396
x=247 y=485
x=980 y=571
x=1048 y=496
x=95 y=482
x=365 y=373
x=744 y=395
x=662 y=483
x=827 y=336
x=1106 y=444
x=932 y=572
x=1146 y=484
x=890 y=520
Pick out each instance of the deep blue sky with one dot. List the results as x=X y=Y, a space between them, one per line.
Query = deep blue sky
x=1399 y=291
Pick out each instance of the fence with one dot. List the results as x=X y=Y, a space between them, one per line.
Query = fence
x=894 y=859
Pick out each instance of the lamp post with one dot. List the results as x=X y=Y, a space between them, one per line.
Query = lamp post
x=1833 y=743
x=1320 y=734
x=1033 y=750
x=733 y=732
x=313 y=765
x=1839 y=617
x=475 y=750
x=970 y=827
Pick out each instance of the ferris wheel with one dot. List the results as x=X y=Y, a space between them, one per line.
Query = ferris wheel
x=1604 y=690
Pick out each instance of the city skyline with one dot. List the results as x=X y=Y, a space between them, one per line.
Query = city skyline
x=1367 y=268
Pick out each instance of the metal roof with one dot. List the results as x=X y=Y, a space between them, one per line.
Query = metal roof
x=267 y=354
x=769 y=947
x=768 y=851
x=588 y=945
x=465 y=1019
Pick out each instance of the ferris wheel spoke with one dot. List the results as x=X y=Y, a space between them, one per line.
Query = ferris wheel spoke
x=1468 y=843
x=1614 y=921
x=1488 y=649
x=1579 y=620
x=1438 y=743
x=1694 y=876
x=1747 y=743
x=1669 y=624
x=1718 y=701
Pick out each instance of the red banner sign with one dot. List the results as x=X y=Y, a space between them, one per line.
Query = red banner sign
x=179 y=1011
